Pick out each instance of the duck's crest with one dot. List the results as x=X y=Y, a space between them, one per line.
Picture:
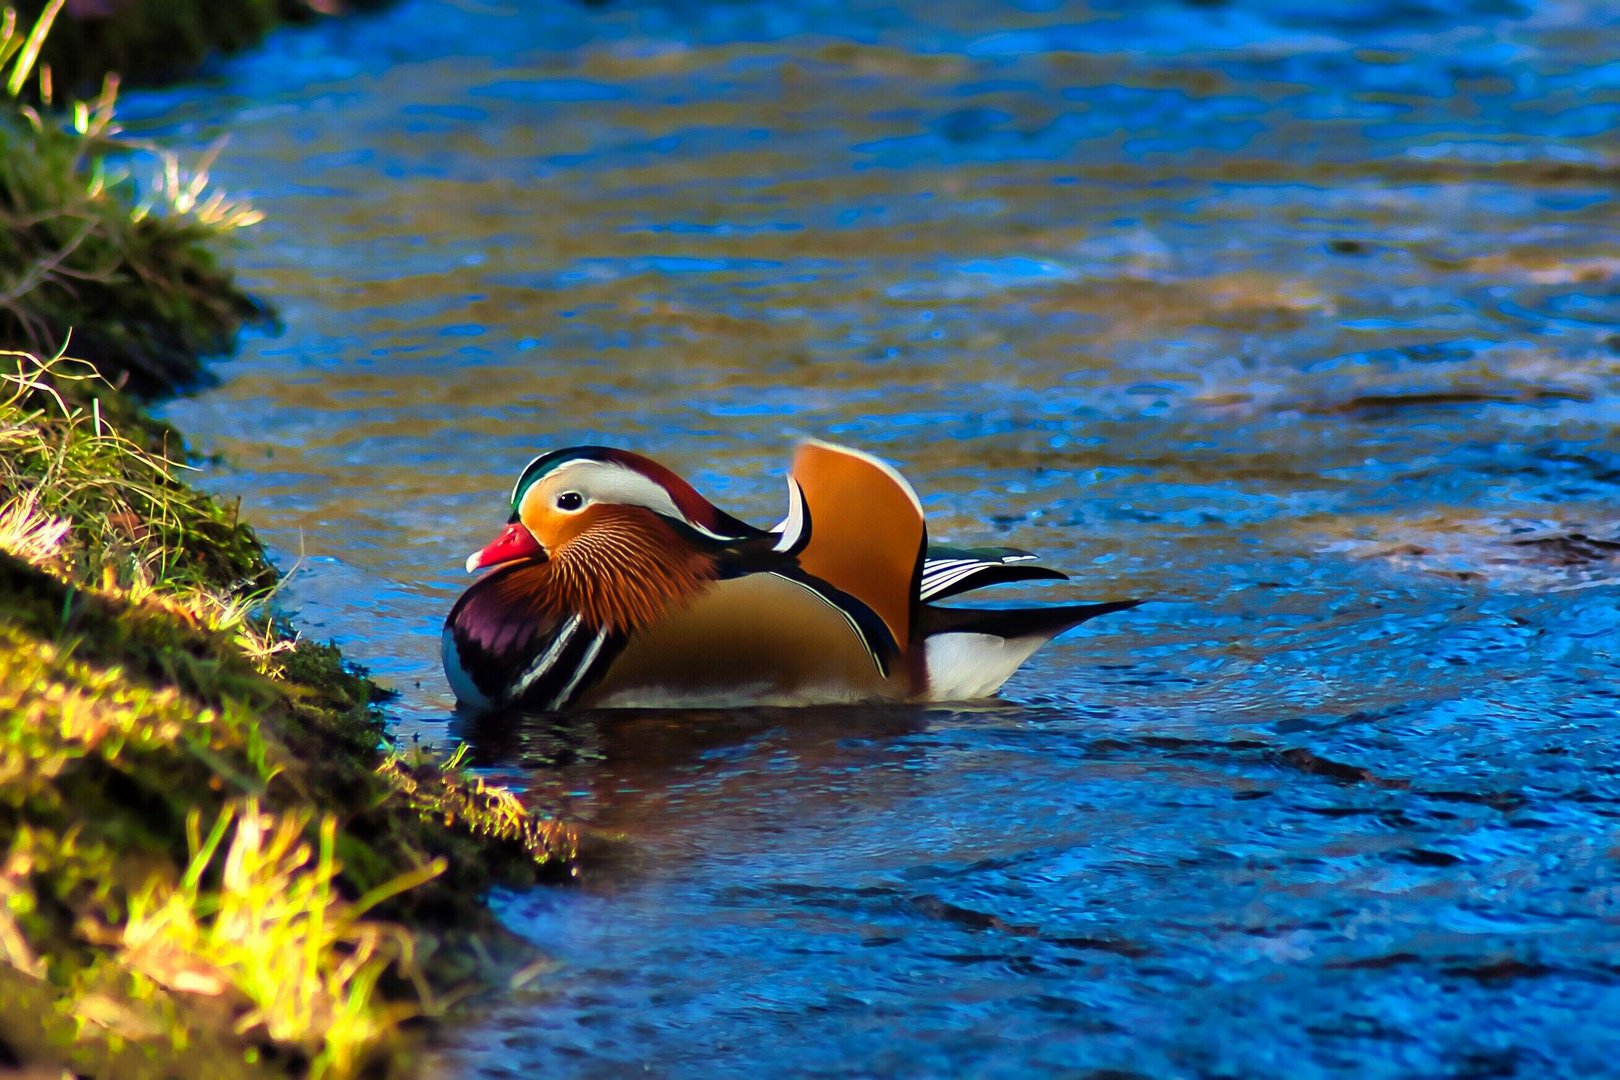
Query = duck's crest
x=679 y=500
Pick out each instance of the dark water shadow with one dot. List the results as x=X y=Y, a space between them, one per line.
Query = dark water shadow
x=639 y=773
x=654 y=740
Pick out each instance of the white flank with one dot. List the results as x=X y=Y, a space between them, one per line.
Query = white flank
x=965 y=667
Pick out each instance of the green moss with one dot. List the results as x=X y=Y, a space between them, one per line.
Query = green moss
x=140 y=698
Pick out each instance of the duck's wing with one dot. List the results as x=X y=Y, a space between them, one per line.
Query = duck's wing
x=505 y=645
x=774 y=637
x=950 y=571
x=854 y=523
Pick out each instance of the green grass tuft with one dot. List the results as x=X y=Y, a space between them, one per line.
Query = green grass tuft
x=128 y=267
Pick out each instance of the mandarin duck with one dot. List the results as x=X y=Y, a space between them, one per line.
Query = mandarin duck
x=615 y=584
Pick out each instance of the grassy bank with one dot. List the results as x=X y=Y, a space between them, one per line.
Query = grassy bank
x=109 y=238
x=150 y=40
x=209 y=864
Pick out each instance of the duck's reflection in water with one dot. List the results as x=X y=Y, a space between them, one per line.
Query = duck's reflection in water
x=641 y=773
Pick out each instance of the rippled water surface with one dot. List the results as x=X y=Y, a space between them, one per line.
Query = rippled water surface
x=1301 y=318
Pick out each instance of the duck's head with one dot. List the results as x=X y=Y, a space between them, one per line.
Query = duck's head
x=579 y=490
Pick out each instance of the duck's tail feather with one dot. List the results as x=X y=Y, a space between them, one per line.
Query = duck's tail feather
x=970 y=652
x=1042 y=622
x=950 y=571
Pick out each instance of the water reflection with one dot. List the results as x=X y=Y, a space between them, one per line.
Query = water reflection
x=617 y=772
x=1300 y=317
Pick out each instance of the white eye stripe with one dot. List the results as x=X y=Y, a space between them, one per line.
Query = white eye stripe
x=615 y=484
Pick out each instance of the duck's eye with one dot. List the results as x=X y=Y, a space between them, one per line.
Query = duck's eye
x=570 y=500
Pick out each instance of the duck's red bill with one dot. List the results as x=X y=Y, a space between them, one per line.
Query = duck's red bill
x=515 y=542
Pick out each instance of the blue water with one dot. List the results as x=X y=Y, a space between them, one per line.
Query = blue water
x=1301 y=319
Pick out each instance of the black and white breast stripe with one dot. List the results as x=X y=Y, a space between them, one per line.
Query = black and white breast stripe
x=574 y=656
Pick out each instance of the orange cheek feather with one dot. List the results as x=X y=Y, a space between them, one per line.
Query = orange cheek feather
x=555 y=529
